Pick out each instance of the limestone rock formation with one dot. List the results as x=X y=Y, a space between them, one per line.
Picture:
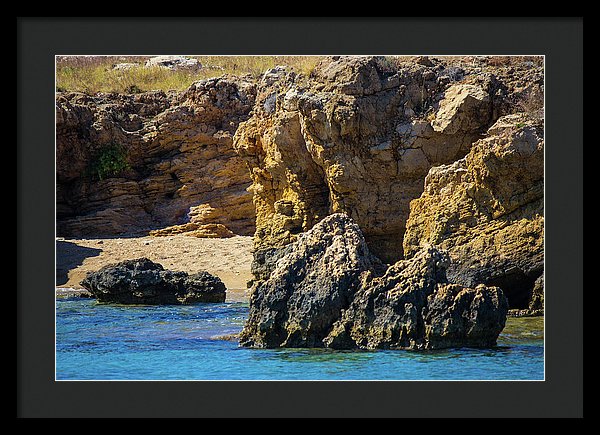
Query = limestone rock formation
x=487 y=210
x=142 y=281
x=359 y=136
x=133 y=163
x=329 y=291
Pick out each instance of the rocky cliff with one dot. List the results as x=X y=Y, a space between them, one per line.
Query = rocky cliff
x=360 y=135
x=487 y=210
x=418 y=152
x=132 y=163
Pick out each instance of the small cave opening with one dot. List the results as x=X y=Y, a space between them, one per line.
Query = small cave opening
x=516 y=285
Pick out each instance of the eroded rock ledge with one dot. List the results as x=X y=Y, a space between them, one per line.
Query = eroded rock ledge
x=329 y=291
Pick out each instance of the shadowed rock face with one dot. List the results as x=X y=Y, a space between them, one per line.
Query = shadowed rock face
x=359 y=137
x=329 y=291
x=142 y=281
x=177 y=163
x=486 y=211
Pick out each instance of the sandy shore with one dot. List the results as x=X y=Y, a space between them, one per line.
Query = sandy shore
x=229 y=259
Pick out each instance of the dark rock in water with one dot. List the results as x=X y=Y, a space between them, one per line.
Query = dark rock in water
x=413 y=307
x=309 y=287
x=226 y=337
x=460 y=316
x=62 y=292
x=142 y=281
x=328 y=292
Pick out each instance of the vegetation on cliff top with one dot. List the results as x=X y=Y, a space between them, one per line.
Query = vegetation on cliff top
x=92 y=74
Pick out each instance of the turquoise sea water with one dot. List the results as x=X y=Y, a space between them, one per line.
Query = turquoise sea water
x=111 y=342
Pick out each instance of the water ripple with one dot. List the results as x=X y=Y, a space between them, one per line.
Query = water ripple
x=104 y=341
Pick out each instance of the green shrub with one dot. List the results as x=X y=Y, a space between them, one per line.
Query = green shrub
x=109 y=161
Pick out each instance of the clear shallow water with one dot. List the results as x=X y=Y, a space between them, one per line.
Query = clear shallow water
x=96 y=341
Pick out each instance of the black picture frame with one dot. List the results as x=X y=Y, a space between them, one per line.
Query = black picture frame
x=559 y=39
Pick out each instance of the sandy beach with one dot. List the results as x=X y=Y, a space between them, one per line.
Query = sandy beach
x=228 y=258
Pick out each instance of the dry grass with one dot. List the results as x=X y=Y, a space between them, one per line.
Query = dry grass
x=92 y=74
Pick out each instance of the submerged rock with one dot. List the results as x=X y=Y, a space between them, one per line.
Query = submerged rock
x=142 y=281
x=329 y=291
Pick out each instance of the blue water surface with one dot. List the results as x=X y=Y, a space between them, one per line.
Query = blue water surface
x=111 y=342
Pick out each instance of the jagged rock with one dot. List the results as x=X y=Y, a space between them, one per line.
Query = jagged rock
x=179 y=163
x=142 y=281
x=413 y=307
x=327 y=292
x=424 y=60
x=264 y=261
x=174 y=62
x=359 y=136
x=486 y=210
x=309 y=287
